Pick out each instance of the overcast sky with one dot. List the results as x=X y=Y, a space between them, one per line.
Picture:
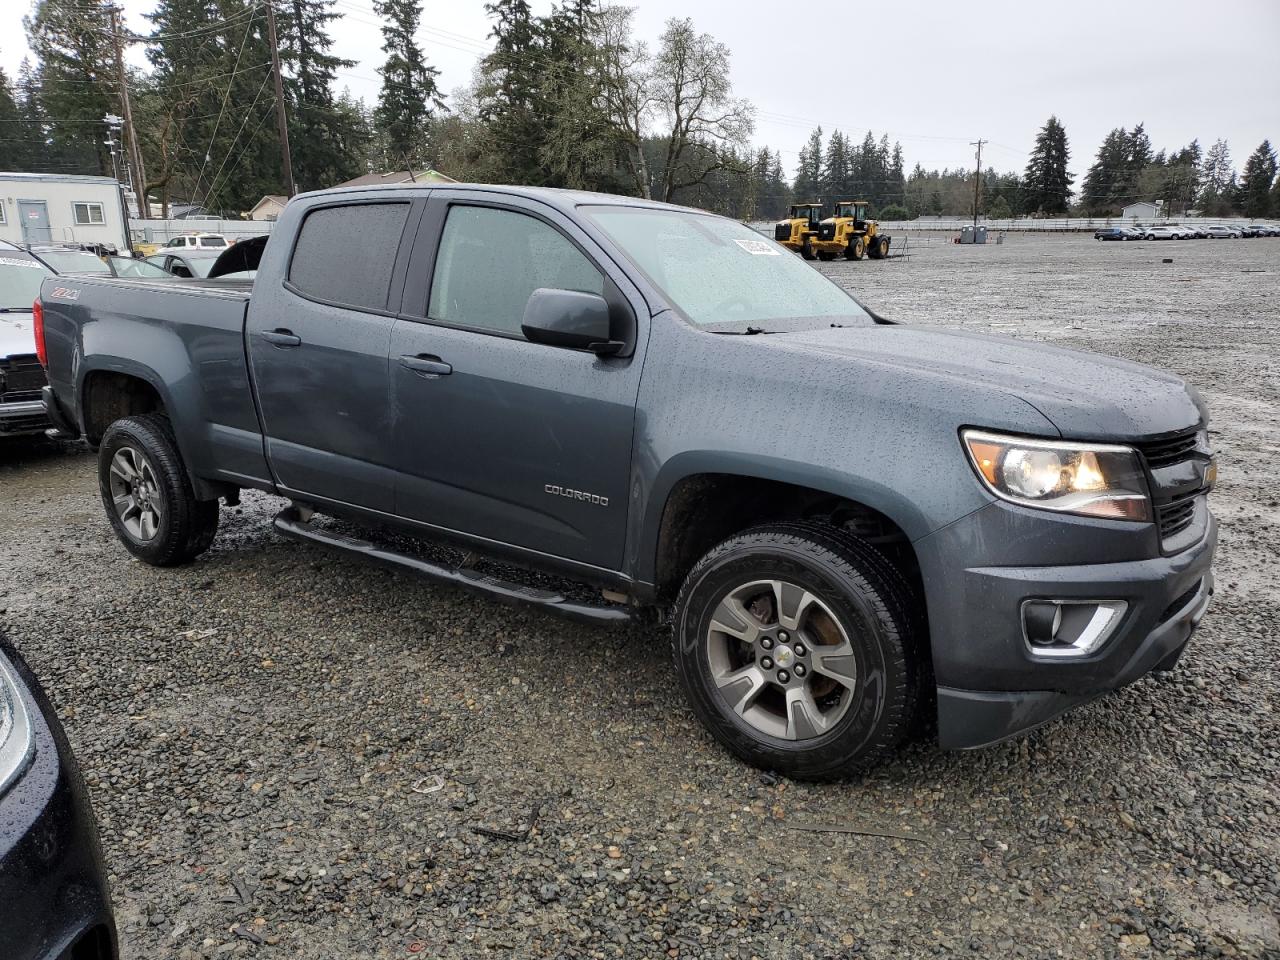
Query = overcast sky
x=934 y=75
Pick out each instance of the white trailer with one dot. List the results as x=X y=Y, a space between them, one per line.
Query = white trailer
x=52 y=208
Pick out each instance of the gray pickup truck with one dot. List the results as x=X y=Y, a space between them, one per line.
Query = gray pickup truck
x=855 y=524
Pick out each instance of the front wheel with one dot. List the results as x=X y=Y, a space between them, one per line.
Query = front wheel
x=148 y=496
x=806 y=250
x=856 y=250
x=796 y=648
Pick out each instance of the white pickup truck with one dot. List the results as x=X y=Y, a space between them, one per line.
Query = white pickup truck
x=21 y=375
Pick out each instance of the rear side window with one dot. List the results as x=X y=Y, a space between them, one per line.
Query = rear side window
x=489 y=263
x=346 y=254
x=212 y=242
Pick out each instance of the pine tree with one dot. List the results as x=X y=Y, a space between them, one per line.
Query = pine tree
x=328 y=141
x=410 y=95
x=1256 y=183
x=77 y=88
x=1217 y=177
x=1182 y=178
x=1100 y=192
x=834 y=181
x=509 y=95
x=16 y=142
x=809 y=169
x=1047 y=181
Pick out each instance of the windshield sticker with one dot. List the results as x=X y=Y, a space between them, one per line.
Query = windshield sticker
x=758 y=248
x=12 y=262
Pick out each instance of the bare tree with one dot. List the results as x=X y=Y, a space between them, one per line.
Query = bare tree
x=690 y=82
x=627 y=84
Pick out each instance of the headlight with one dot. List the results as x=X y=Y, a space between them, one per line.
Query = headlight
x=16 y=744
x=1089 y=479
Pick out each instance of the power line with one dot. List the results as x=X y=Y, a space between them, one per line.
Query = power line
x=225 y=97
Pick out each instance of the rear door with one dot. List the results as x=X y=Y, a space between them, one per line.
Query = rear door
x=318 y=351
x=496 y=437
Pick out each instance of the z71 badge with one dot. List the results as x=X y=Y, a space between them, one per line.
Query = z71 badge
x=64 y=293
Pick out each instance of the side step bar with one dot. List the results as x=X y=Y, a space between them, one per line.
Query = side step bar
x=290 y=523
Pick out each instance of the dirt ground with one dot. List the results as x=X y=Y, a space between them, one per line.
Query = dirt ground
x=253 y=726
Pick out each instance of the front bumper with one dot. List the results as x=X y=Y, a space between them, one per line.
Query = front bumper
x=991 y=684
x=54 y=902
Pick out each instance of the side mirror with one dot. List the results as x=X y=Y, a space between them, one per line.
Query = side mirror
x=569 y=318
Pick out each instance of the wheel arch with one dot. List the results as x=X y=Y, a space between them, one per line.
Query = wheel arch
x=706 y=499
x=109 y=389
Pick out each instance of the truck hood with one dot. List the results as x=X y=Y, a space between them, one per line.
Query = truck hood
x=17 y=335
x=1087 y=396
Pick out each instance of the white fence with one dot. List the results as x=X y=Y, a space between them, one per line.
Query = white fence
x=161 y=231
x=1026 y=225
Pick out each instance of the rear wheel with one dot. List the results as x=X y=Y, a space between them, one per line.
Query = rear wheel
x=880 y=249
x=795 y=647
x=806 y=249
x=856 y=250
x=148 y=496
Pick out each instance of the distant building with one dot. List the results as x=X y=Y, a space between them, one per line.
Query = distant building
x=399 y=177
x=1143 y=210
x=58 y=208
x=269 y=207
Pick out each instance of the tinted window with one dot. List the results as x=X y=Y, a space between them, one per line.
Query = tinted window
x=490 y=261
x=346 y=254
x=213 y=241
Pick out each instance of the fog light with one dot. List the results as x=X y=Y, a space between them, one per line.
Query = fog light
x=1069 y=628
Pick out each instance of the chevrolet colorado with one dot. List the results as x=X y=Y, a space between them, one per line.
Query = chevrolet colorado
x=855 y=524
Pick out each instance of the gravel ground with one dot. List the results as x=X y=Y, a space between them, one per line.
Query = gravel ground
x=264 y=731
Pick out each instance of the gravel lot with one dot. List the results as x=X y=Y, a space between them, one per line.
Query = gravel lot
x=253 y=726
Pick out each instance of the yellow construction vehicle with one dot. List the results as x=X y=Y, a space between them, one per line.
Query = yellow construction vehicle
x=850 y=234
x=798 y=231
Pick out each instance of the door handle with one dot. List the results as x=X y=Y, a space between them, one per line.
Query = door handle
x=281 y=337
x=426 y=365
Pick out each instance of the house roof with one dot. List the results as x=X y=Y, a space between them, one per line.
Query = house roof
x=274 y=198
x=398 y=177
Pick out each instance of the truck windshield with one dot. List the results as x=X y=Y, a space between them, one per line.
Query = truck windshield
x=20 y=282
x=74 y=261
x=717 y=271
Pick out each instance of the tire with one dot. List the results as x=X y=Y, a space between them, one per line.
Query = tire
x=882 y=248
x=163 y=523
x=852 y=710
x=856 y=250
x=1151 y=236
x=806 y=250
x=826 y=257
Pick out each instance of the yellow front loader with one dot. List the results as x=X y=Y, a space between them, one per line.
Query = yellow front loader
x=798 y=231
x=850 y=234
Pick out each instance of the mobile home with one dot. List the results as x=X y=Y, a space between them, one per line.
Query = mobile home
x=52 y=208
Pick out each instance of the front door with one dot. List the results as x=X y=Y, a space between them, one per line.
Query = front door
x=318 y=352
x=34 y=215
x=496 y=437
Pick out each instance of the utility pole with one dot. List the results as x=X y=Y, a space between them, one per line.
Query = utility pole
x=977 y=180
x=135 y=151
x=282 y=123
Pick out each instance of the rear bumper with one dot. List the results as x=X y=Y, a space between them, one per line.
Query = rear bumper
x=26 y=416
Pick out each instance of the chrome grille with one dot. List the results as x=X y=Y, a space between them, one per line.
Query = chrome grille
x=20 y=377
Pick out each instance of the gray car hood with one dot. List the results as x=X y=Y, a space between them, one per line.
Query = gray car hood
x=1085 y=395
x=17 y=334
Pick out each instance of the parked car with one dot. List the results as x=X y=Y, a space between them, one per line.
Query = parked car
x=21 y=375
x=54 y=900
x=1163 y=232
x=1134 y=233
x=68 y=259
x=1111 y=233
x=198 y=241
x=1220 y=232
x=1259 y=230
x=185 y=263
x=663 y=404
x=136 y=269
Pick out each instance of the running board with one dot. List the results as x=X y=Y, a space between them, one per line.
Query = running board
x=290 y=523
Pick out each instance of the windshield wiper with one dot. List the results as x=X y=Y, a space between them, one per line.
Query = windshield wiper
x=750 y=331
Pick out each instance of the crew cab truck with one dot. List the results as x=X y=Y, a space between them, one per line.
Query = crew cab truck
x=854 y=524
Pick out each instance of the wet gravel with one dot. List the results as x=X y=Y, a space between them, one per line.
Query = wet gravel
x=293 y=755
